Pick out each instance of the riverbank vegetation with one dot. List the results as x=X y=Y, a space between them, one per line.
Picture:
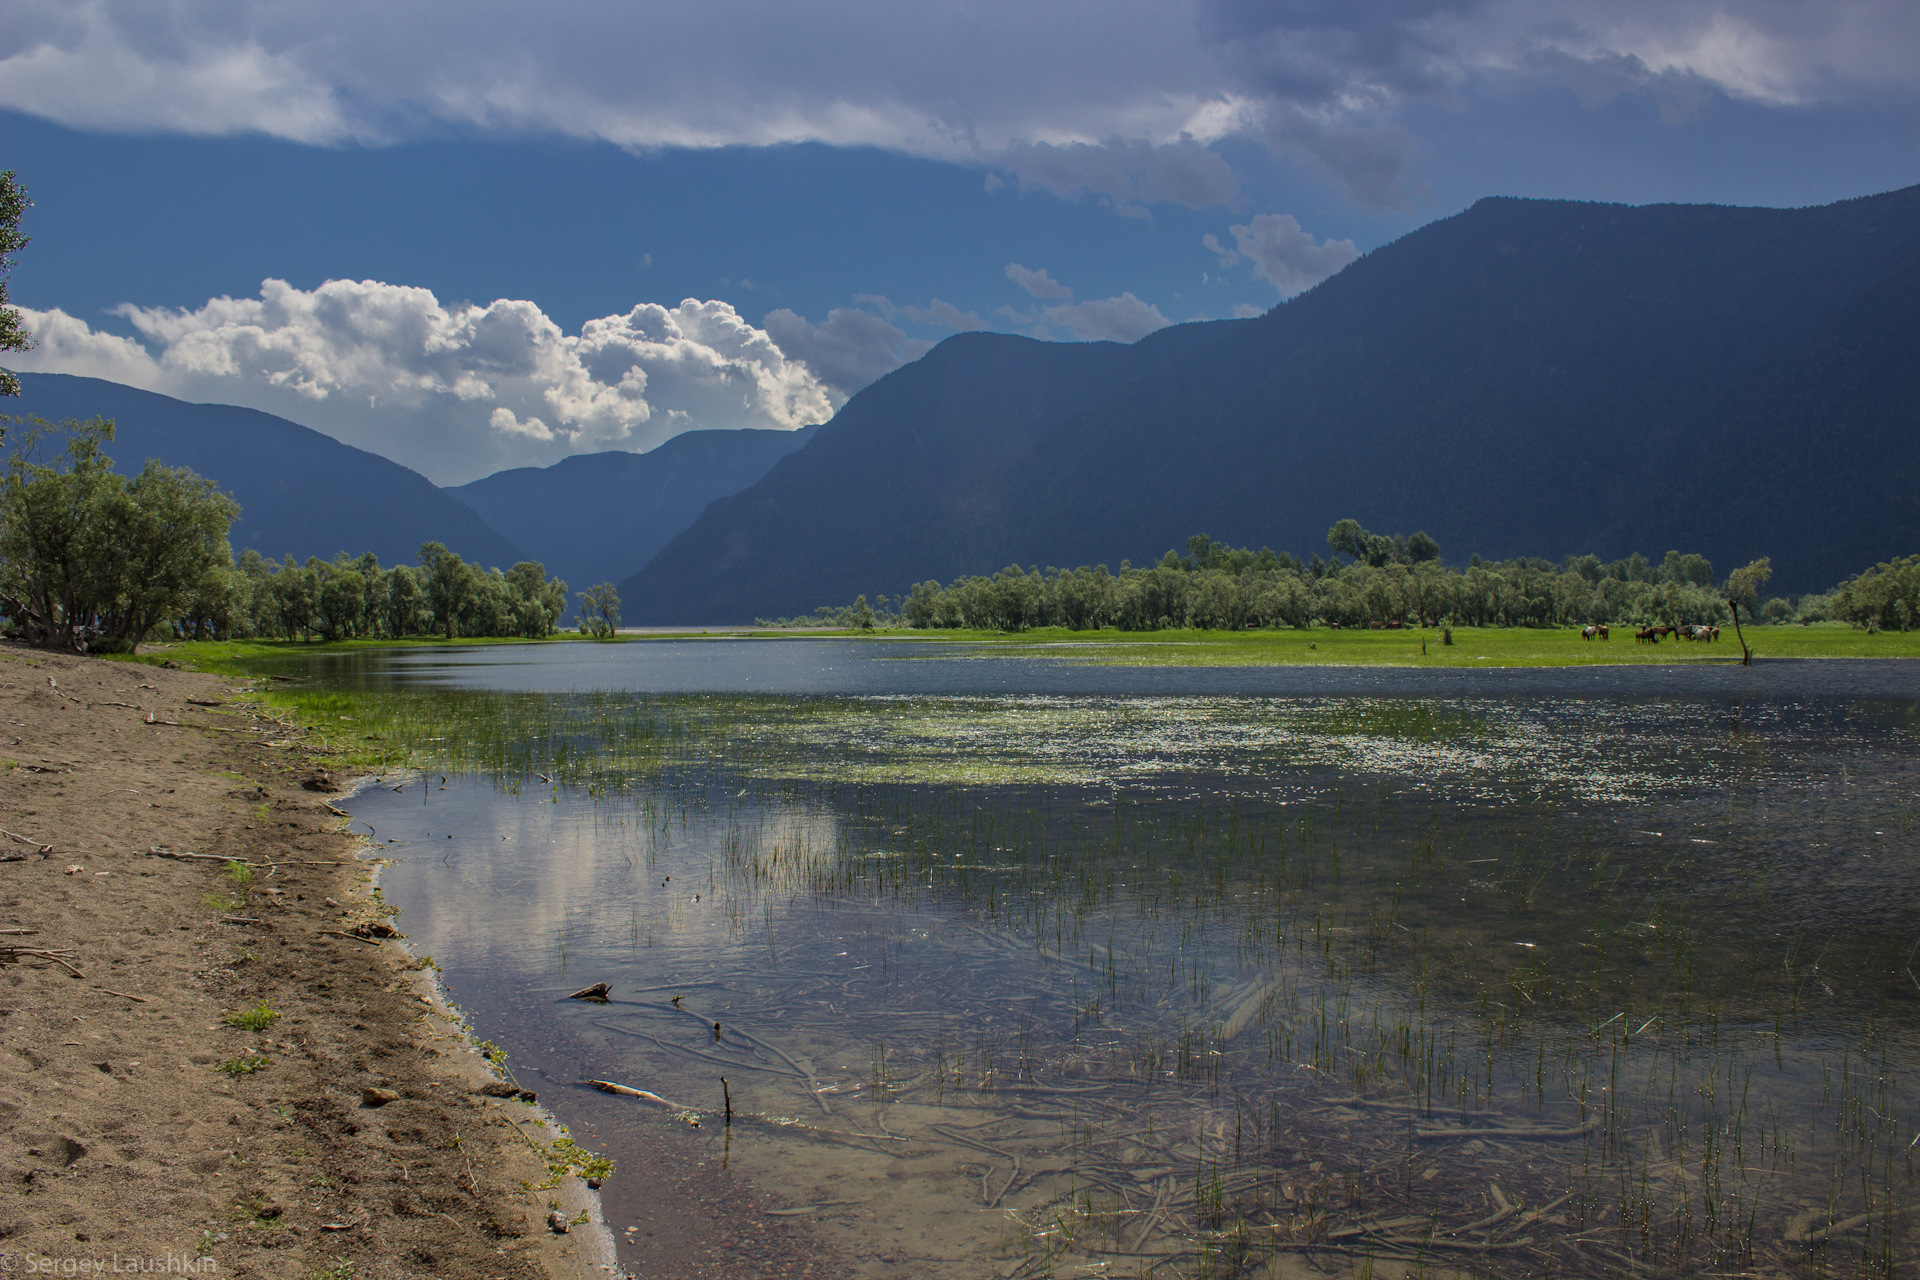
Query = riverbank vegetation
x=1373 y=581
x=92 y=560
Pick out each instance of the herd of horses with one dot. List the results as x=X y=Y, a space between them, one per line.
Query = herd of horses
x=1653 y=635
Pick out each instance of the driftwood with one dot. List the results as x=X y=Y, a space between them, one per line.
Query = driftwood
x=44 y=849
x=682 y=1114
x=55 y=954
x=336 y=933
x=628 y=1091
x=598 y=991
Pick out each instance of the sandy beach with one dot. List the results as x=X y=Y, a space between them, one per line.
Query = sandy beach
x=349 y=1135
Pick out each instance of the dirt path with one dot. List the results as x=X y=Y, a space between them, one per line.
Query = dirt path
x=122 y=1140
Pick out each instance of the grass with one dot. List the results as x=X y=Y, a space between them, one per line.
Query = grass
x=258 y=1018
x=1472 y=646
x=243 y=1066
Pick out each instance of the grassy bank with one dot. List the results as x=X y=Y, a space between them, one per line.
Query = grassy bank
x=1472 y=646
x=352 y=732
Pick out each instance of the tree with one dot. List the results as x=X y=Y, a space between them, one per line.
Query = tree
x=1743 y=587
x=162 y=533
x=13 y=336
x=1346 y=536
x=448 y=582
x=600 y=610
x=1421 y=548
x=538 y=601
x=49 y=516
x=86 y=555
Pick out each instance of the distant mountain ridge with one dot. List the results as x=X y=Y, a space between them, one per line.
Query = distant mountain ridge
x=301 y=493
x=1525 y=378
x=598 y=517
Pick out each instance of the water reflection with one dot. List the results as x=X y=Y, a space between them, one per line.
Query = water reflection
x=1069 y=986
x=933 y=668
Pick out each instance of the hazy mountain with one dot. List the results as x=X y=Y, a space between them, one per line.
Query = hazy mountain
x=1525 y=378
x=598 y=517
x=300 y=492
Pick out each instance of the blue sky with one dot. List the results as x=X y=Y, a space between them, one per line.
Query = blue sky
x=492 y=235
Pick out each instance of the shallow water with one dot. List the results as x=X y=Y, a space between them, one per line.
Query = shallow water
x=832 y=666
x=1076 y=984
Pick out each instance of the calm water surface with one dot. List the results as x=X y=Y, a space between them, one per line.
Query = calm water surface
x=1014 y=967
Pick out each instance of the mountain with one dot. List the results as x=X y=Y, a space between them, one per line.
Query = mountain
x=598 y=517
x=1524 y=378
x=300 y=492
x=883 y=494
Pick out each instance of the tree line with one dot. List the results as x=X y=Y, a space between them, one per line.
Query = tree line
x=92 y=560
x=1370 y=579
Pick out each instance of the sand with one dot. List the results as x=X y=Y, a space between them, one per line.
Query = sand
x=125 y=1147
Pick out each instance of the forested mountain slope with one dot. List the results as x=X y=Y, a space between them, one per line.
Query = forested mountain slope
x=300 y=492
x=1525 y=378
x=598 y=517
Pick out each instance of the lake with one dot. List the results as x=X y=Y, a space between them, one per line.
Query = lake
x=1018 y=967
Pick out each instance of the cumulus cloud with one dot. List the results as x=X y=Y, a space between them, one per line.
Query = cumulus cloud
x=846 y=351
x=452 y=391
x=1038 y=283
x=1122 y=101
x=1284 y=253
x=1121 y=319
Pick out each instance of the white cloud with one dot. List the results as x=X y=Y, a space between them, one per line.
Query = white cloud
x=1121 y=319
x=1038 y=283
x=1122 y=100
x=454 y=392
x=1283 y=253
x=846 y=351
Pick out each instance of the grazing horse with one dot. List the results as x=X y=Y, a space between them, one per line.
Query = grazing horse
x=1603 y=631
x=1649 y=634
x=1589 y=631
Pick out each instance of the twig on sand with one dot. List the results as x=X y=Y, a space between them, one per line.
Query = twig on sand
x=336 y=933
x=54 y=954
x=43 y=848
x=124 y=995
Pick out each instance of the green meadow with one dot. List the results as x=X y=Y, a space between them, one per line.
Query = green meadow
x=1414 y=647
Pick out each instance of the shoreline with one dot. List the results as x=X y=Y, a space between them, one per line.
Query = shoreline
x=343 y=1124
